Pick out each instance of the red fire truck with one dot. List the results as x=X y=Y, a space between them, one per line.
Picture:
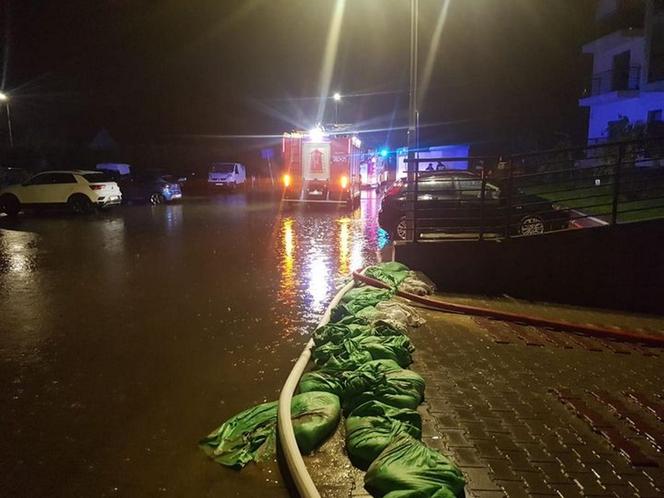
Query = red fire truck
x=321 y=168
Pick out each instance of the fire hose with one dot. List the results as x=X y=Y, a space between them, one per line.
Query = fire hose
x=560 y=325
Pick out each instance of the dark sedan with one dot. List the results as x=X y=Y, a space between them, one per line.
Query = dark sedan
x=451 y=202
x=154 y=188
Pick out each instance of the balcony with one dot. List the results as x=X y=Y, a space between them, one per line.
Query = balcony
x=614 y=80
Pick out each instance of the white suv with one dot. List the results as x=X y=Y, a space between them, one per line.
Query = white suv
x=80 y=190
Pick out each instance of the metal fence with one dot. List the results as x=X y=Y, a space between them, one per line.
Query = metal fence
x=530 y=194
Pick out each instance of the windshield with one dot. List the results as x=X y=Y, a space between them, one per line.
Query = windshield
x=222 y=168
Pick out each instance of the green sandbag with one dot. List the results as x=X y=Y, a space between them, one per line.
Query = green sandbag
x=385 y=381
x=328 y=381
x=390 y=273
x=407 y=468
x=373 y=425
x=315 y=416
x=393 y=347
x=337 y=332
x=366 y=348
x=347 y=350
x=342 y=315
x=251 y=434
x=357 y=299
x=360 y=297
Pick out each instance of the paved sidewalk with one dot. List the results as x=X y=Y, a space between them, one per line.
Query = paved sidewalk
x=530 y=413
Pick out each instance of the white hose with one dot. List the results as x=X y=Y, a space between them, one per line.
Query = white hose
x=294 y=461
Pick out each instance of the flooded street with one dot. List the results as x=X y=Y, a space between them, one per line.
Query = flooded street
x=128 y=335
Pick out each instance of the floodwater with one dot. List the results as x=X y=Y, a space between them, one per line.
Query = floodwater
x=126 y=336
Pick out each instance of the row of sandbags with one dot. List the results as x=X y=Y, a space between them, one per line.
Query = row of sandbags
x=360 y=360
x=361 y=356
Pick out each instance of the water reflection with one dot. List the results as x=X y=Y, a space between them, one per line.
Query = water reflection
x=288 y=291
x=318 y=279
x=318 y=249
x=20 y=283
x=344 y=245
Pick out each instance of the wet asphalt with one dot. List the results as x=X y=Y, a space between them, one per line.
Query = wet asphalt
x=125 y=336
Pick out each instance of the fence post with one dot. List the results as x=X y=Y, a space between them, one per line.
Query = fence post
x=616 y=184
x=508 y=201
x=482 y=197
x=415 y=199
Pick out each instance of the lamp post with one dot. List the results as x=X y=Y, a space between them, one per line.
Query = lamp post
x=412 y=112
x=5 y=98
x=337 y=99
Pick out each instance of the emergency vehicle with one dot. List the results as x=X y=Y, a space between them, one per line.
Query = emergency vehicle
x=320 y=168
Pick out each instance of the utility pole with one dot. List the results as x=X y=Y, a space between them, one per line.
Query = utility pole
x=5 y=98
x=412 y=110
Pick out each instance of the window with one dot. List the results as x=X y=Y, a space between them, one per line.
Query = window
x=654 y=116
x=52 y=179
x=222 y=168
x=61 y=178
x=470 y=187
x=656 y=64
x=43 y=179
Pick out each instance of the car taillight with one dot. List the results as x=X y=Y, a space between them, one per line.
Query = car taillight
x=96 y=187
x=344 y=181
x=287 y=180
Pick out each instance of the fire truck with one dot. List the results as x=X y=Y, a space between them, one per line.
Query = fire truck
x=320 y=168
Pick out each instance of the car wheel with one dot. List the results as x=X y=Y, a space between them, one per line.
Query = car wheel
x=80 y=204
x=9 y=204
x=531 y=225
x=403 y=230
x=156 y=199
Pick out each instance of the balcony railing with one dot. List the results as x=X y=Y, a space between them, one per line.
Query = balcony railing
x=615 y=81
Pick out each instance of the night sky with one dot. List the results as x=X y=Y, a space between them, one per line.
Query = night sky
x=150 y=70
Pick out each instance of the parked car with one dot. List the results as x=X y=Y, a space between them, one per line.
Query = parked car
x=450 y=202
x=228 y=175
x=153 y=187
x=80 y=190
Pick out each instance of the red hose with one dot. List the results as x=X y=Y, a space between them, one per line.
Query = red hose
x=590 y=330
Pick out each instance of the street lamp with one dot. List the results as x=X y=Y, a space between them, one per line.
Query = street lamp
x=5 y=98
x=337 y=99
x=413 y=167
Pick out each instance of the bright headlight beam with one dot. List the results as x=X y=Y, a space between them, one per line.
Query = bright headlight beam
x=432 y=55
x=330 y=57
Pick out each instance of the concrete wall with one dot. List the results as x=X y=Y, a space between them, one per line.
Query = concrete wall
x=619 y=267
x=605 y=48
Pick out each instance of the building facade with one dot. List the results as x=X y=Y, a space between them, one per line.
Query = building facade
x=627 y=85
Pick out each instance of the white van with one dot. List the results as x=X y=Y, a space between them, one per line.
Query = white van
x=230 y=175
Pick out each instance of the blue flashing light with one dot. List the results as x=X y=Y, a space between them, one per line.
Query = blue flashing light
x=384 y=152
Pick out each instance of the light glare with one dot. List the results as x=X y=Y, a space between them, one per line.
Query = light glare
x=316 y=134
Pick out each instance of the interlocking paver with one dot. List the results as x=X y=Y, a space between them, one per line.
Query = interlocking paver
x=502 y=470
x=528 y=414
x=480 y=479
